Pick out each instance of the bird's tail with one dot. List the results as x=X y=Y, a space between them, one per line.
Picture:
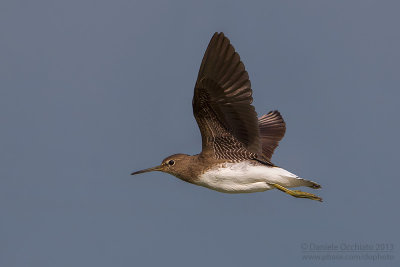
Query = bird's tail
x=312 y=184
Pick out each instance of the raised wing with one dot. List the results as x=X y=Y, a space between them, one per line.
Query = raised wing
x=222 y=104
x=272 y=129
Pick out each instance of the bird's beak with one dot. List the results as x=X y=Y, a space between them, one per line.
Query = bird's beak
x=157 y=168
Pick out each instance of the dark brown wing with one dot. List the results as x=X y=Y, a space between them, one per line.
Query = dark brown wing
x=272 y=129
x=222 y=104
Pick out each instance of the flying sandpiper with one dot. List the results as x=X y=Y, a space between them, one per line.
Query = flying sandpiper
x=236 y=145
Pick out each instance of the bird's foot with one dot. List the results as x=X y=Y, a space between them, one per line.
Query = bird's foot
x=297 y=193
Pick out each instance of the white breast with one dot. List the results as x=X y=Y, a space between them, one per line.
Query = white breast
x=244 y=177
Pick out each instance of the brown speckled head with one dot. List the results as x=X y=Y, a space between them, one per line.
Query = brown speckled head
x=183 y=166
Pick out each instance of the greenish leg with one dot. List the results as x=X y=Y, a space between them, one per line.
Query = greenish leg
x=297 y=193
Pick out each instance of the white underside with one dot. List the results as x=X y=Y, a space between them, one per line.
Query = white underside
x=246 y=178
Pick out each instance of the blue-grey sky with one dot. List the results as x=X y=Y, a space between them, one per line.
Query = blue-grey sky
x=93 y=90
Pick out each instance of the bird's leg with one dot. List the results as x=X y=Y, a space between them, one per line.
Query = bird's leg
x=297 y=193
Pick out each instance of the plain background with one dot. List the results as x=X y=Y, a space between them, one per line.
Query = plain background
x=93 y=90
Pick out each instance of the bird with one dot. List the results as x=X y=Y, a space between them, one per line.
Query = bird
x=237 y=146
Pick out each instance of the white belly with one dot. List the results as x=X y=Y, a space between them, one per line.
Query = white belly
x=246 y=178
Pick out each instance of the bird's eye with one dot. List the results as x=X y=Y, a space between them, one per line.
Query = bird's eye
x=171 y=162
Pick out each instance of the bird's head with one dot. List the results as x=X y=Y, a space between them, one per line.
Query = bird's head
x=173 y=164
